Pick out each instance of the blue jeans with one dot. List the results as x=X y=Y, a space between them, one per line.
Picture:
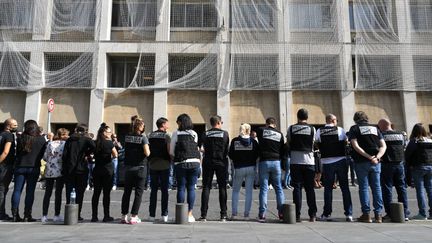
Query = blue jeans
x=270 y=170
x=240 y=174
x=115 y=166
x=340 y=170
x=90 y=166
x=287 y=179
x=25 y=175
x=304 y=176
x=422 y=176
x=186 y=180
x=171 y=181
x=394 y=175
x=368 y=174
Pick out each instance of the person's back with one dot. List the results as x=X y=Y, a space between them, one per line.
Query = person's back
x=271 y=143
x=77 y=147
x=30 y=158
x=215 y=144
x=134 y=151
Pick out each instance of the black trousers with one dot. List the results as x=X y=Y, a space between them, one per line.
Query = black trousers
x=303 y=176
x=102 y=181
x=6 y=174
x=209 y=170
x=49 y=183
x=159 y=178
x=135 y=177
x=79 y=182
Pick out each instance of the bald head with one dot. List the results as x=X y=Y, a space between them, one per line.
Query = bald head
x=331 y=119
x=384 y=124
x=10 y=125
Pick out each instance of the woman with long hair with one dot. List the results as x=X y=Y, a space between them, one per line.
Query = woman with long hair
x=418 y=156
x=136 y=150
x=187 y=159
x=53 y=157
x=30 y=149
x=103 y=172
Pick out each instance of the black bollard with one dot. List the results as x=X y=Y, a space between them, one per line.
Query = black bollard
x=71 y=214
x=397 y=212
x=289 y=216
x=181 y=213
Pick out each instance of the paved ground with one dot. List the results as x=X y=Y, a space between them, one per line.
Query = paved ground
x=215 y=231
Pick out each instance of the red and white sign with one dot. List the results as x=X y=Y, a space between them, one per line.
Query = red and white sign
x=50 y=105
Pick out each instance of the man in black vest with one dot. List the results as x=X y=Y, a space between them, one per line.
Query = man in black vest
x=159 y=164
x=392 y=167
x=331 y=141
x=216 y=145
x=7 y=158
x=303 y=167
x=368 y=148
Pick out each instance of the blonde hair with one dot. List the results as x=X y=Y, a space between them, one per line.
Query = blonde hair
x=245 y=129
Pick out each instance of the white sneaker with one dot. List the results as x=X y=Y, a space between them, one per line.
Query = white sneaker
x=191 y=219
x=325 y=218
x=44 y=219
x=124 y=219
x=270 y=187
x=135 y=220
x=151 y=219
x=349 y=218
x=88 y=188
x=114 y=188
x=165 y=218
x=58 y=218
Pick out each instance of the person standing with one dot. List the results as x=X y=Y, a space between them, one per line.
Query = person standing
x=215 y=161
x=103 y=172
x=393 y=167
x=7 y=159
x=136 y=151
x=368 y=148
x=159 y=165
x=244 y=152
x=75 y=169
x=30 y=150
x=304 y=172
x=115 y=160
x=331 y=141
x=271 y=143
x=53 y=157
x=418 y=156
x=186 y=156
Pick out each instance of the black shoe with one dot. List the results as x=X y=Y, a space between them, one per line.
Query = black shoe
x=202 y=219
x=94 y=219
x=28 y=216
x=108 y=219
x=80 y=218
x=5 y=217
x=15 y=215
x=223 y=218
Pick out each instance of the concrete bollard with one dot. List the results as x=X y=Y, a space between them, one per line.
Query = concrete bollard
x=181 y=213
x=71 y=214
x=397 y=212
x=289 y=215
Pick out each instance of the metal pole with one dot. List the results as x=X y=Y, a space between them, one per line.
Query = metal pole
x=49 y=122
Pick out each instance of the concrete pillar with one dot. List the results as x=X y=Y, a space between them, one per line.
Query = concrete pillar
x=409 y=107
x=42 y=19
x=160 y=96
x=223 y=8
x=103 y=20
x=164 y=20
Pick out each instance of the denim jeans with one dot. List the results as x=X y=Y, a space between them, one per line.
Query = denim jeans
x=115 y=167
x=337 y=169
x=270 y=170
x=368 y=174
x=304 y=176
x=172 y=180
x=159 y=178
x=25 y=175
x=422 y=176
x=287 y=179
x=247 y=174
x=186 y=180
x=393 y=175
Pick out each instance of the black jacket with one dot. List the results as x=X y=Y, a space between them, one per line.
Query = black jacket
x=77 y=147
x=244 y=152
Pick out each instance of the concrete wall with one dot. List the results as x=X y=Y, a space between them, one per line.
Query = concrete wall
x=192 y=36
x=12 y=104
x=424 y=108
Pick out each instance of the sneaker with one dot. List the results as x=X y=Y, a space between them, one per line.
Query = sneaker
x=114 y=188
x=406 y=219
x=202 y=219
x=88 y=188
x=223 y=218
x=44 y=219
x=325 y=218
x=261 y=219
x=124 y=219
x=151 y=219
x=349 y=218
x=312 y=219
x=191 y=219
x=135 y=220
x=290 y=188
x=270 y=187
x=378 y=218
x=419 y=217
x=58 y=218
x=165 y=218
x=365 y=218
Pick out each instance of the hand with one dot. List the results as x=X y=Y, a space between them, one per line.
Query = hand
x=317 y=180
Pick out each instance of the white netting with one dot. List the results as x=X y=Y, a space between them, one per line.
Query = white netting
x=219 y=44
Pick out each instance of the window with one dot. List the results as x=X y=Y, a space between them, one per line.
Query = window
x=193 y=15
x=76 y=15
x=14 y=69
x=123 y=70
x=16 y=14
x=423 y=72
x=180 y=66
x=69 y=70
x=255 y=71
x=310 y=16
x=369 y=17
x=378 y=72
x=421 y=17
x=247 y=16
x=134 y=14
x=315 y=71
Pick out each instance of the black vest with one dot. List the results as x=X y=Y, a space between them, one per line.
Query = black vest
x=270 y=143
x=330 y=145
x=215 y=147
x=158 y=145
x=302 y=137
x=367 y=139
x=186 y=147
x=395 y=147
x=424 y=153
x=134 y=150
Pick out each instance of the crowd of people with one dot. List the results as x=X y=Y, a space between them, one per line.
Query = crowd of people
x=307 y=157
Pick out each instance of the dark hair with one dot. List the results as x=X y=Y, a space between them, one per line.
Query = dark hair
x=160 y=122
x=214 y=120
x=271 y=121
x=81 y=128
x=100 y=136
x=418 y=131
x=31 y=131
x=137 y=122
x=360 y=116
x=302 y=114
x=184 y=122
